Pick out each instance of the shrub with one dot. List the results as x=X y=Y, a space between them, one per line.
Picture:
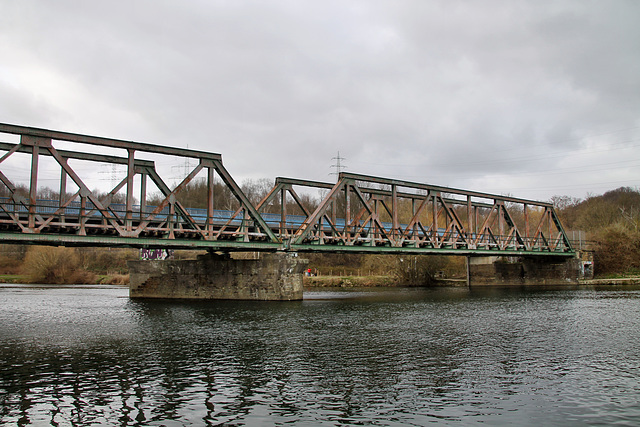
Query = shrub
x=55 y=265
x=617 y=250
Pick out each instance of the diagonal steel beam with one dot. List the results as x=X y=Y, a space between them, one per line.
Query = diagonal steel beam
x=244 y=201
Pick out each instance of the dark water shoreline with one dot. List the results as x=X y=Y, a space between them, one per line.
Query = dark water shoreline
x=369 y=281
x=389 y=281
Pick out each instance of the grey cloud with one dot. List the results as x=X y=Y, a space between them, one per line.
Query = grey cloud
x=430 y=90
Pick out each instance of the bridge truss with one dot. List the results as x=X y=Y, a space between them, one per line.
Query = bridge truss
x=372 y=214
x=357 y=214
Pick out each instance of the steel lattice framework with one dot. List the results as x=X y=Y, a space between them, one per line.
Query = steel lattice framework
x=359 y=213
x=373 y=214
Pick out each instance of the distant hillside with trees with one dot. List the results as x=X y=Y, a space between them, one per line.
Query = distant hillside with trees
x=611 y=222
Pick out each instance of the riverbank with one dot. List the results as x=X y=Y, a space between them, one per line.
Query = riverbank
x=612 y=281
x=391 y=281
x=111 y=279
x=370 y=281
x=348 y=281
x=339 y=281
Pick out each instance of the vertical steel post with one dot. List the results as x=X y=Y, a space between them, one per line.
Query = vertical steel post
x=373 y=216
x=347 y=209
x=283 y=212
x=526 y=225
x=245 y=225
x=447 y=219
x=501 y=220
x=143 y=195
x=210 y=188
x=394 y=211
x=130 y=173
x=549 y=219
x=469 y=218
x=33 y=186
x=63 y=192
x=171 y=217
x=476 y=215
x=434 y=227
x=83 y=214
x=415 y=223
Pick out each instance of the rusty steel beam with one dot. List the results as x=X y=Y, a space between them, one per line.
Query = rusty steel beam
x=105 y=142
x=376 y=191
x=437 y=188
x=92 y=157
x=304 y=183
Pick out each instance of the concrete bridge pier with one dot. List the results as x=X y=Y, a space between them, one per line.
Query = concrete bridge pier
x=263 y=277
x=540 y=270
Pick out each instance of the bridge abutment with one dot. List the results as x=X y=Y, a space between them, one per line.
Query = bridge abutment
x=268 y=277
x=547 y=270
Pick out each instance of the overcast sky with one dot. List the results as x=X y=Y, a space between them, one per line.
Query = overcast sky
x=527 y=98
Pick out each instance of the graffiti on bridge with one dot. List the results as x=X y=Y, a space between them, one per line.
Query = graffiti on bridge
x=156 y=254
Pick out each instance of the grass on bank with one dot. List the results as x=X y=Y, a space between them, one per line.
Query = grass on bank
x=13 y=278
x=348 y=281
x=101 y=279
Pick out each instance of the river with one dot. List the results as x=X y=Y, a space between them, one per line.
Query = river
x=88 y=355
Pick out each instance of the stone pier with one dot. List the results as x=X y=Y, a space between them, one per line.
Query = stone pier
x=269 y=277
x=540 y=270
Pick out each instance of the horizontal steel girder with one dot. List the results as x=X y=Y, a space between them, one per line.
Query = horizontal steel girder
x=106 y=142
x=228 y=246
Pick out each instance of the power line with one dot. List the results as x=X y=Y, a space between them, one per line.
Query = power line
x=183 y=170
x=338 y=165
x=114 y=173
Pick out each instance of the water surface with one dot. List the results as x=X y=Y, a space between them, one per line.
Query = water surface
x=87 y=355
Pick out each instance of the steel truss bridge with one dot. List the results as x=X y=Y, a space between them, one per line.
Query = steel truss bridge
x=359 y=213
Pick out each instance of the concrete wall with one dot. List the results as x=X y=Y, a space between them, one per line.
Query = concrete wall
x=274 y=277
x=543 y=270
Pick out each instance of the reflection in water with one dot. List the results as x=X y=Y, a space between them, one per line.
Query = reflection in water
x=90 y=356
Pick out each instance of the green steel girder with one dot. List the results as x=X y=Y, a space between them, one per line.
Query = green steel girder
x=388 y=250
x=135 y=242
x=227 y=245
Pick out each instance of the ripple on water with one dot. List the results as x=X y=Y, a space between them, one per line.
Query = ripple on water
x=399 y=357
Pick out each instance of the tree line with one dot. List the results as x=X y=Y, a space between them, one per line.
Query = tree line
x=611 y=222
